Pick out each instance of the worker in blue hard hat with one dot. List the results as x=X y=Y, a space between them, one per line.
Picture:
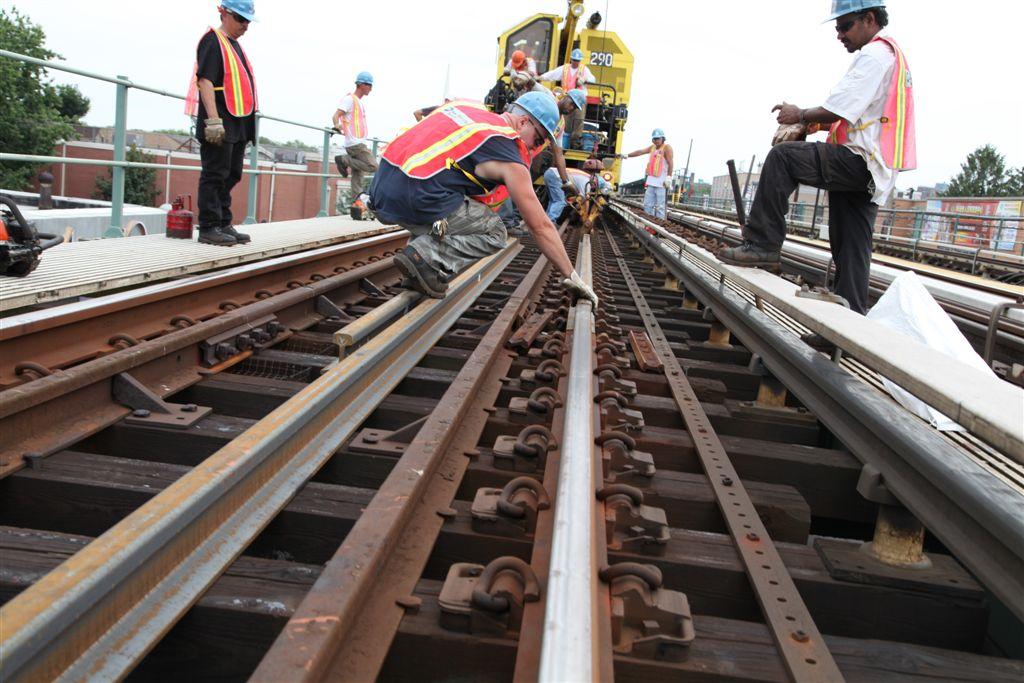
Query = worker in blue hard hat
x=556 y=177
x=222 y=97
x=572 y=76
x=870 y=118
x=444 y=178
x=350 y=120
x=660 y=159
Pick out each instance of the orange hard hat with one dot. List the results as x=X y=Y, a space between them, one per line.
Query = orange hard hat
x=518 y=58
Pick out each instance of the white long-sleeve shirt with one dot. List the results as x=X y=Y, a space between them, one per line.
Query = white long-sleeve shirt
x=583 y=75
x=860 y=99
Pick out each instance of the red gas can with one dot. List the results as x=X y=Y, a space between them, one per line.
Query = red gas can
x=179 y=221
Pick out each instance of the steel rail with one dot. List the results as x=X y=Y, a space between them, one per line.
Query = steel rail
x=102 y=610
x=975 y=513
x=65 y=335
x=82 y=395
x=569 y=650
x=344 y=626
x=800 y=643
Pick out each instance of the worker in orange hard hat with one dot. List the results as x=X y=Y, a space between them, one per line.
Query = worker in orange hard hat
x=520 y=62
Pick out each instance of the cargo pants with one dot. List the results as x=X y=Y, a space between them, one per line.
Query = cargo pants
x=472 y=232
x=851 y=213
x=360 y=161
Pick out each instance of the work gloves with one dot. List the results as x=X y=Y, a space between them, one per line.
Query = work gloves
x=214 y=131
x=575 y=284
x=789 y=132
x=570 y=189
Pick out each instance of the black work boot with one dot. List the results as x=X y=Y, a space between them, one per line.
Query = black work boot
x=342 y=162
x=217 y=237
x=240 y=237
x=750 y=255
x=425 y=279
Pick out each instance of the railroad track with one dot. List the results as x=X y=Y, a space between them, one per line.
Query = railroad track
x=500 y=485
x=988 y=312
x=999 y=266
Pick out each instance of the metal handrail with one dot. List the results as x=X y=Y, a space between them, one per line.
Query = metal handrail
x=119 y=162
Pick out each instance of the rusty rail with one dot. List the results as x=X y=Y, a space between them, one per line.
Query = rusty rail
x=801 y=645
x=98 y=613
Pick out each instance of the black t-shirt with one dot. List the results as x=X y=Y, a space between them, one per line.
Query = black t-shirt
x=210 y=65
x=397 y=198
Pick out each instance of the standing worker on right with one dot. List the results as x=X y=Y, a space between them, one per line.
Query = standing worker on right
x=659 y=170
x=350 y=121
x=871 y=138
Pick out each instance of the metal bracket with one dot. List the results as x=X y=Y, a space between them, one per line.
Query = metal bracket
x=630 y=525
x=256 y=334
x=487 y=600
x=821 y=294
x=150 y=409
x=366 y=286
x=329 y=309
x=510 y=511
x=647 y=620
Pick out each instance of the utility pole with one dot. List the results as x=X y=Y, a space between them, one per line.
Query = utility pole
x=746 y=183
x=686 y=171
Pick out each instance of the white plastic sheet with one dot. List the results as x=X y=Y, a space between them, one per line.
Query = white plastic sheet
x=908 y=307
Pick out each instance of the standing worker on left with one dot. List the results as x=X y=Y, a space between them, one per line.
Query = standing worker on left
x=223 y=97
x=350 y=121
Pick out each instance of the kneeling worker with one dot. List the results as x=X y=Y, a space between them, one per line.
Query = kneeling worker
x=442 y=179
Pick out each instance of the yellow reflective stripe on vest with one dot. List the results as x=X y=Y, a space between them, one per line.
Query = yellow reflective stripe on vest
x=236 y=79
x=451 y=141
x=901 y=108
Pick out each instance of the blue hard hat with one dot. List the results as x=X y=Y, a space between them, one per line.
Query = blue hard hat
x=364 y=77
x=542 y=107
x=579 y=98
x=658 y=133
x=841 y=7
x=245 y=8
x=576 y=55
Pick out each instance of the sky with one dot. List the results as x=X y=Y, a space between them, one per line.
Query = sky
x=707 y=71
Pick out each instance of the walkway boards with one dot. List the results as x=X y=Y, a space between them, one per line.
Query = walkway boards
x=88 y=267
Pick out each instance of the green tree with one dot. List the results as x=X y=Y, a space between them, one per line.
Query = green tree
x=982 y=175
x=1015 y=183
x=34 y=113
x=139 y=183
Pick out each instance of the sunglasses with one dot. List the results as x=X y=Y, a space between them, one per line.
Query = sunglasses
x=238 y=17
x=847 y=25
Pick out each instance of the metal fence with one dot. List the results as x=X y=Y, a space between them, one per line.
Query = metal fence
x=119 y=163
x=971 y=231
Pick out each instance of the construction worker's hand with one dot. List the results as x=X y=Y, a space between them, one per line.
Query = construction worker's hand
x=214 y=131
x=570 y=189
x=788 y=113
x=575 y=284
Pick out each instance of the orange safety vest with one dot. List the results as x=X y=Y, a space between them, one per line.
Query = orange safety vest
x=450 y=134
x=569 y=78
x=239 y=89
x=898 y=139
x=355 y=120
x=656 y=163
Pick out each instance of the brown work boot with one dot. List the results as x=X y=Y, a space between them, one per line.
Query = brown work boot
x=425 y=279
x=216 y=236
x=240 y=237
x=750 y=255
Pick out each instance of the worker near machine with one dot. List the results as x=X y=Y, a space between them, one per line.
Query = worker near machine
x=571 y=76
x=870 y=116
x=518 y=61
x=659 y=170
x=350 y=120
x=584 y=181
x=222 y=96
x=442 y=178
x=556 y=177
